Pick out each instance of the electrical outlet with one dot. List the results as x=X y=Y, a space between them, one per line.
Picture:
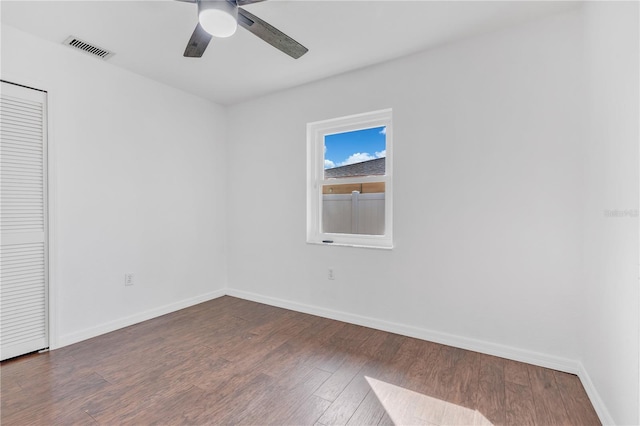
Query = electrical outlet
x=129 y=279
x=331 y=274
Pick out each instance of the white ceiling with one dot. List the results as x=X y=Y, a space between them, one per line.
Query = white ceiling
x=149 y=37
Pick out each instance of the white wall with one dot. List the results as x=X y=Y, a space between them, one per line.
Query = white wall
x=610 y=330
x=488 y=185
x=139 y=187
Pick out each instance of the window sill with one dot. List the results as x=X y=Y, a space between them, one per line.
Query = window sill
x=365 y=246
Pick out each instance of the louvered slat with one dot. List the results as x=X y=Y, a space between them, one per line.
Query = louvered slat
x=9 y=260
x=9 y=268
x=34 y=282
x=22 y=165
x=23 y=253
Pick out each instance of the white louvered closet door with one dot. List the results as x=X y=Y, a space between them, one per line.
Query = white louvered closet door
x=23 y=221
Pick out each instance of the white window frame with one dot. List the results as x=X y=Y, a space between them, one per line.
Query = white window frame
x=316 y=133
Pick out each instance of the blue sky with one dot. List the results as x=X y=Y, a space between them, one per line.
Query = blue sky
x=354 y=147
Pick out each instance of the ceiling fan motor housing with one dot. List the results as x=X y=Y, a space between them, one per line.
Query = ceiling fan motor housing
x=218 y=17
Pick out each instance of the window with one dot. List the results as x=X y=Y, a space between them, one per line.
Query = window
x=349 y=180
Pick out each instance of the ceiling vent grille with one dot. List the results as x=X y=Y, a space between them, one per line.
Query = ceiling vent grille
x=89 y=48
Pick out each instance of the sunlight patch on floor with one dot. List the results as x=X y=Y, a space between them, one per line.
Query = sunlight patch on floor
x=406 y=407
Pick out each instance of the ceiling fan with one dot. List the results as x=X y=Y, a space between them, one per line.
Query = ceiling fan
x=220 y=18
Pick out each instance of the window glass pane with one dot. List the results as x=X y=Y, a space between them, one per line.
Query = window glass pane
x=355 y=153
x=354 y=208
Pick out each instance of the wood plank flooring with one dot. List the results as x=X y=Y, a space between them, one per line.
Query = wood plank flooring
x=231 y=361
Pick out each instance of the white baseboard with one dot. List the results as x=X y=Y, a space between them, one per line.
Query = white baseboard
x=594 y=396
x=495 y=349
x=110 y=326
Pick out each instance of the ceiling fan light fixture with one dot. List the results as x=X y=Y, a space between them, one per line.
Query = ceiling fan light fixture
x=218 y=17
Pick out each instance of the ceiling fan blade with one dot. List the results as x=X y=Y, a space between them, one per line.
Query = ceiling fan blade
x=270 y=34
x=197 y=43
x=242 y=2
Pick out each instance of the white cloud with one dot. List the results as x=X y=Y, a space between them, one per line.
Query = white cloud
x=328 y=164
x=383 y=131
x=358 y=157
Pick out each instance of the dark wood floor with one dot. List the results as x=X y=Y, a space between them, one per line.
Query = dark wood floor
x=231 y=361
